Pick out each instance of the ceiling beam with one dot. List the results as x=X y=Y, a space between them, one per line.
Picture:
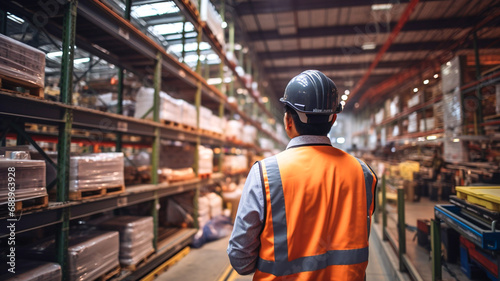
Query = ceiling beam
x=356 y=50
x=340 y=66
x=278 y=6
x=163 y=19
x=362 y=29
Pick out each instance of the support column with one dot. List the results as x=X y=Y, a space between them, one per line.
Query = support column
x=155 y=154
x=436 y=250
x=3 y=22
x=401 y=228
x=64 y=142
x=478 y=115
x=384 y=211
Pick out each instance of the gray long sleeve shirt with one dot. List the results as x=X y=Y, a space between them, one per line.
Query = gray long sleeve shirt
x=244 y=244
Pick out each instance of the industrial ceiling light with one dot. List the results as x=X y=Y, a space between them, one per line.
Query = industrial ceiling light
x=436 y=76
x=379 y=7
x=431 y=137
x=347 y=92
x=456 y=140
x=368 y=46
x=344 y=97
x=342 y=102
x=223 y=24
x=415 y=90
x=426 y=81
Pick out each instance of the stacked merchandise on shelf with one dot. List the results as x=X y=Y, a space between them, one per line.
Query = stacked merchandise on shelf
x=97 y=171
x=249 y=134
x=231 y=193
x=211 y=221
x=137 y=168
x=188 y=114
x=29 y=270
x=170 y=108
x=21 y=179
x=91 y=254
x=108 y=102
x=234 y=164
x=21 y=63
x=209 y=14
x=176 y=162
x=205 y=160
x=234 y=130
x=136 y=237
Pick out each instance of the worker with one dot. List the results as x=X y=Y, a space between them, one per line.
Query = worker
x=305 y=213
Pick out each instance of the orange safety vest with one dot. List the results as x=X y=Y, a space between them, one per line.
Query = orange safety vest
x=317 y=217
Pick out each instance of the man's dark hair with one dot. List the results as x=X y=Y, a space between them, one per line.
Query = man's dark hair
x=317 y=129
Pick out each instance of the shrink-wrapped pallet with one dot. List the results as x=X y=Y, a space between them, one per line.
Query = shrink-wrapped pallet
x=31 y=270
x=234 y=129
x=205 y=160
x=215 y=202
x=217 y=124
x=96 y=171
x=249 y=134
x=205 y=118
x=28 y=176
x=170 y=108
x=188 y=114
x=234 y=164
x=21 y=62
x=203 y=211
x=91 y=254
x=136 y=237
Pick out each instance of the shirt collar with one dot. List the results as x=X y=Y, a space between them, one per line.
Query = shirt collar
x=308 y=140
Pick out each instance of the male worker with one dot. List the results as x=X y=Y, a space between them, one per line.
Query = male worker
x=305 y=213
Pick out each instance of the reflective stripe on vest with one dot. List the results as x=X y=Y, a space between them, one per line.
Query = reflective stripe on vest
x=282 y=266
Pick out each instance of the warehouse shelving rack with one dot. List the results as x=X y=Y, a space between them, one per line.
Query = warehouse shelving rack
x=94 y=27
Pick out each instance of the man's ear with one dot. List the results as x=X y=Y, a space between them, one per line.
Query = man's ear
x=333 y=119
x=288 y=121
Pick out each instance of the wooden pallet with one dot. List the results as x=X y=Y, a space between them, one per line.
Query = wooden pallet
x=9 y=84
x=146 y=259
x=32 y=203
x=26 y=205
x=109 y=274
x=205 y=176
x=95 y=193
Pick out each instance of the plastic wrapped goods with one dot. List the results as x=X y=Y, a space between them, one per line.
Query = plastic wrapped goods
x=188 y=114
x=28 y=270
x=21 y=62
x=96 y=171
x=234 y=129
x=215 y=202
x=91 y=254
x=28 y=175
x=249 y=134
x=206 y=158
x=170 y=108
x=205 y=118
x=136 y=237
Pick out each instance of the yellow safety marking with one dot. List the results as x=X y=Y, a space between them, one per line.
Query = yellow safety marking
x=164 y=266
x=226 y=273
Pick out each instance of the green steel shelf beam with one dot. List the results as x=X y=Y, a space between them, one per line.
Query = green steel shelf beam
x=68 y=50
x=401 y=228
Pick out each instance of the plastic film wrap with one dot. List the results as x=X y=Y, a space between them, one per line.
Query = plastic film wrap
x=91 y=254
x=188 y=114
x=206 y=157
x=28 y=270
x=29 y=178
x=22 y=62
x=136 y=236
x=170 y=108
x=96 y=171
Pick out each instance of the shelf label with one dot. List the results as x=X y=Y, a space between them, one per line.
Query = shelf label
x=123 y=33
x=121 y=201
x=122 y=126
